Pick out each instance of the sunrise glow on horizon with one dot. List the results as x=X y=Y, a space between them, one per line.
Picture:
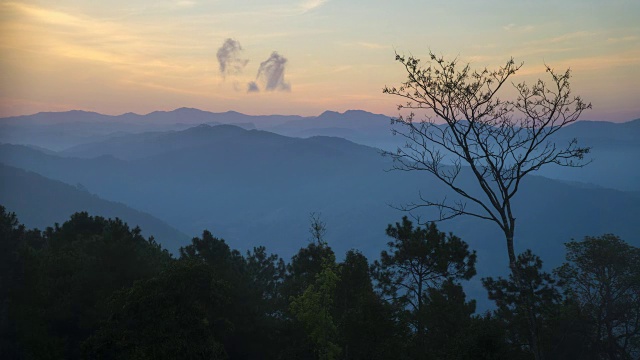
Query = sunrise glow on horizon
x=299 y=57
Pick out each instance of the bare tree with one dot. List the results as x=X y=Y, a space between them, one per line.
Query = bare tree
x=317 y=228
x=468 y=127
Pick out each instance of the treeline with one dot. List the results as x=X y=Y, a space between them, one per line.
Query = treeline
x=93 y=288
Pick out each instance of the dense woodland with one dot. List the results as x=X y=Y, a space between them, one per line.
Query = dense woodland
x=95 y=288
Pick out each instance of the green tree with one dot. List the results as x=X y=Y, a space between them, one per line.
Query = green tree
x=308 y=262
x=301 y=273
x=314 y=310
x=314 y=272
x=304 y=266
x=496 y=142
x=419 y=261
x=602 y=275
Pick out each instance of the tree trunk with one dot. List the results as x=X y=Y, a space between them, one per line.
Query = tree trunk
x=534 y=339
x=421 y=334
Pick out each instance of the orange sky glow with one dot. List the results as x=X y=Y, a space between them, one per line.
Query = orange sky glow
x=139 y=56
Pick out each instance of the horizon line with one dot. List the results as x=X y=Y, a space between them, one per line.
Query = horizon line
x=245 y=114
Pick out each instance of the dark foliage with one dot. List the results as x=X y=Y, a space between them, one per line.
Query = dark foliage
x=94 y=288
x=177 y=314
x=64 y=277
x=602 y=276
x=420 y=274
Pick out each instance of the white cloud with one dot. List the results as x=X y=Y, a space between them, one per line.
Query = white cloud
x=309 y=5
x=616 y=40
x=518 y=28
x=184 y=3
x=373 y=46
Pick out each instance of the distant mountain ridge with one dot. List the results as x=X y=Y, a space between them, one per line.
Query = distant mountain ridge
x=181 y=115
x=197 y=116
x=61 y=130
x=40 y=202
x=255 y=187
x=615 y=147
x=365 y=127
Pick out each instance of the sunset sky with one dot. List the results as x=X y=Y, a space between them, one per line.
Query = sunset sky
x=299 y=56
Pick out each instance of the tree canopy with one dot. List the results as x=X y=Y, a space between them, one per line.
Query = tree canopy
x=95 y=288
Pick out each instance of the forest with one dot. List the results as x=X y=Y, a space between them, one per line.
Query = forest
x=95 y=288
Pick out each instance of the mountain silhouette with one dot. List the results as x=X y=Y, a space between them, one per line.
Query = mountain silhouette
x=40 y=202
x=257 y=188
x=614 y=146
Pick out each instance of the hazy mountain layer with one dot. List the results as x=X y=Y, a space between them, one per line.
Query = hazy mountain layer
x=40 y=202
x=61 y=130
x=615 y=148
x=258 y=188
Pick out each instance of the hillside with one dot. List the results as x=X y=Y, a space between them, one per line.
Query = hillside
x=40 y=202
x=258 y=188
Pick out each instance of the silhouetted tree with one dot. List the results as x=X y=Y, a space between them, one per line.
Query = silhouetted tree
x=181 y=313
x=365 y=322
x=16 y=247
x=497 y=141
x=266 y=272
x=447 y=317
x=486 y=339
x=602 y=275
x=254 y=309
x=419 y=261
x=67 y=281
x=541 y=295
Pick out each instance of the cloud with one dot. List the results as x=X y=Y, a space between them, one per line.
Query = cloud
x=516 y=28
x=184 y=3
x=373 y=46
x=252 y=87
x=309 y=5
x=568 y=37
x=229 y=57
x=271 y=72
x=621 y=39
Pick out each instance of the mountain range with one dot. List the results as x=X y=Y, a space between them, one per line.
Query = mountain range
x=614 y=148
x=255 y=187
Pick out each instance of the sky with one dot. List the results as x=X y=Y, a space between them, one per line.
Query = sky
x=300 y=57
